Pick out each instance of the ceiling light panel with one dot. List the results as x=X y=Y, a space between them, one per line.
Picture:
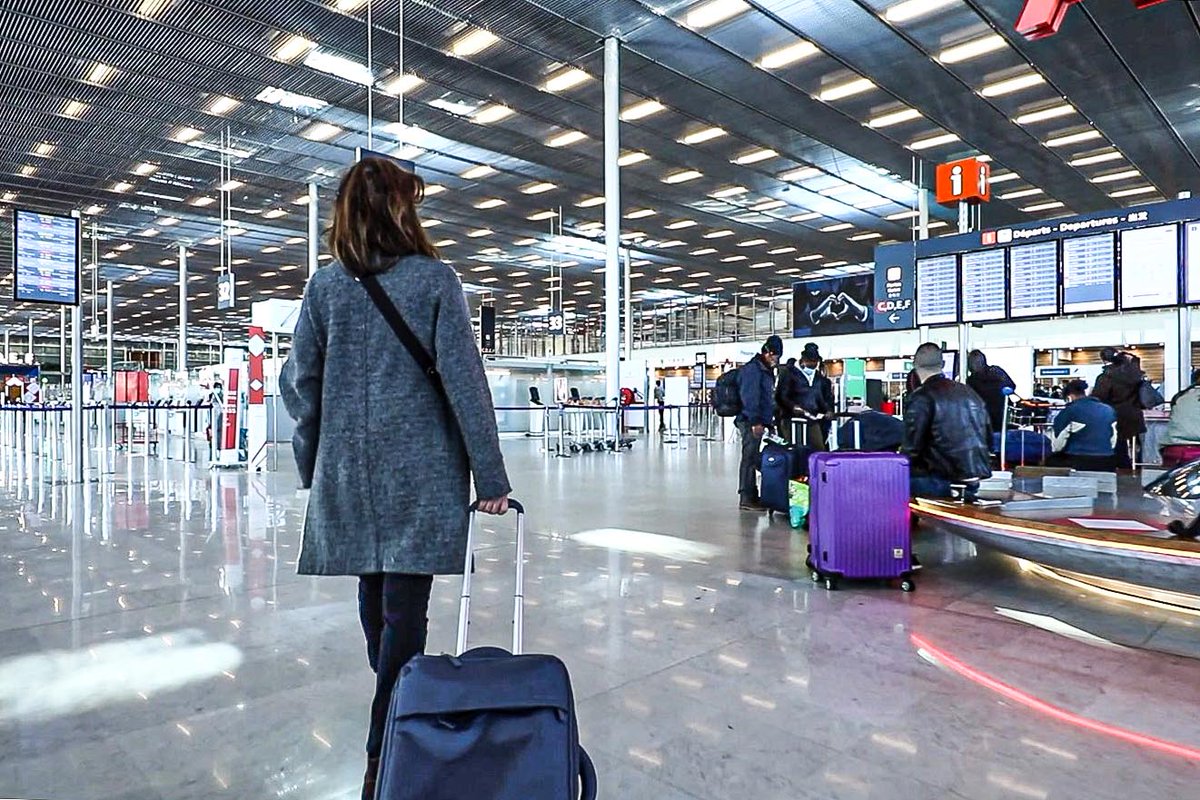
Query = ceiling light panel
x=493 y=113
x=934 y=141
x=1043 y=206
x=538 y=188
x=400 y=84
x=1041 y=115
x=566 y=79
x=629 y=159
x=222 y=105
x=321 y=131
x=565 y=138
x=476 y=172
x=790 y=54
x=843 y=90
x=913 y=9
x=801 y=174
x=972 y=49
x=1010 y=85
x=755 y=156
x=729 y=191
x=839 y=226
x=808 y=216
x=44 y=149
x=473 y=42
x=893 y=118
x=292 y=47
x=491 y=202
x=641 y=110
x=703 y=135
x=100 y=73
x=75 y=109
x=1133 y=192
x=713 y=12
x=1001 y=177
x=1117 y=176
x=1073 y=138
x=681 y=224
x=683 y=176
x=186 y=133
x=1018 y=194
x=339 y=66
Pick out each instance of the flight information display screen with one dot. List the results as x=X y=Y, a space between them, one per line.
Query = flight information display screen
x=1150 y=266
x=1033 y=276
x=1191 y=247
x=45 y=258
x=984 y=286
x=1089 y=274
x=937 y=290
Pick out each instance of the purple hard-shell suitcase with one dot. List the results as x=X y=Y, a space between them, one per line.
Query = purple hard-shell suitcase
x=859 y=524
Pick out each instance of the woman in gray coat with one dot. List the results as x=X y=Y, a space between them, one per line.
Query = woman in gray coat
x=387 y=449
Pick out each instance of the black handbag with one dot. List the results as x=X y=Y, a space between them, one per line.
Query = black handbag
x=1147 y=396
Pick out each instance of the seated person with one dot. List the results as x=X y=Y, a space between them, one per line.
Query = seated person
x=1085 y=432
x=1183 y=431
x=946 y=430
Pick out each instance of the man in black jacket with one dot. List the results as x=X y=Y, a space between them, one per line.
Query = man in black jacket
x=1118 y=386
x=756 y=385
x=946 y=430
x=989 y=382
x=808 y=394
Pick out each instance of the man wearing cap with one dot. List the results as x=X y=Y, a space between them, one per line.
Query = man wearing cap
x=946 y=430
x=756 y=385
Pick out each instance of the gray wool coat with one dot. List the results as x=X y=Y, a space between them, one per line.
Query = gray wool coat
x=387 y=458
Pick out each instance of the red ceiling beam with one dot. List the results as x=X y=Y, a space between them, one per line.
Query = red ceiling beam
x=1042 y=18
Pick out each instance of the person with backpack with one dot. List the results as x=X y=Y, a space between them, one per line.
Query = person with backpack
x=756 y=391
x=989 y=382
x=1119 y=385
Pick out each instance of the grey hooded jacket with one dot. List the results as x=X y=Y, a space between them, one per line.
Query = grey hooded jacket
x=387 y=458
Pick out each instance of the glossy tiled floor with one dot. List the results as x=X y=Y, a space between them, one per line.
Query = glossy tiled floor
x=156 y=644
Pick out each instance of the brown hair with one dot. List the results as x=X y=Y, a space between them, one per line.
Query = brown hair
x=375 y=219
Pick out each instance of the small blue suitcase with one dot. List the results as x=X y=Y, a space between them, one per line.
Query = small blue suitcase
x=485 y=724
x=776 y=468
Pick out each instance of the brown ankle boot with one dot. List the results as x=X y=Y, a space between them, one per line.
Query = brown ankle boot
x=368 y=792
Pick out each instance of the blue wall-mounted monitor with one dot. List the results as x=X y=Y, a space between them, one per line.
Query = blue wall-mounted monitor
x=45 y=258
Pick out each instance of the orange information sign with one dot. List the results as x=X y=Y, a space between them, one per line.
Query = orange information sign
x=964 y=181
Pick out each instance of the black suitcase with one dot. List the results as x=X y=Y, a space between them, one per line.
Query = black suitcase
x=485 y=724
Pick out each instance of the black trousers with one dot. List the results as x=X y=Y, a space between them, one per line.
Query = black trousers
x=748 y=469
x=1086 y=463
x=394 y=611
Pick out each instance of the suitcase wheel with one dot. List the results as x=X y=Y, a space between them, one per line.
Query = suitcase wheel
x=830 y=584
x=816 y=576
x=908 y=585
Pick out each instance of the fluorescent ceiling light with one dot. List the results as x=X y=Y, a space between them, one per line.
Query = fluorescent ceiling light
x=145 y=168
x=400 y=84
x=1116 y=176
x=492 y=202
x=538 y=188
x=862 y=237
x=122 y=186
x=681 y=224
x=1053 y=112
x=912 y=9
x=1073 y=138
x=186 y=133
x=75 y=109
x=1134 y=191
x=721 y=234
x=433 y=223
x=270 y=250
x=801 y=174
x=349 y=5
x=768 y=205
x=641 y=110
x=445 y=243
x=475 y=234
x=838 y=226
x=903 y=215
x=1098 y=158
x=477 y=172
x=844 y=90
x=526 y=242
x=230 y=185
x=812 y=257
x=893 y=118
x=433 y=188
x=1002 y=177
x=805 y=217
x=567 y=79
x=934 y=141
x=732 y=259
x=293 y=47
x=629 y=159
x=222 y=105
x=788 y=55
x=290 y=100
x=44 y=149
x=752 y=243
x=1020 y=193
x=566 y=138
x=100 y=73
x=1043 y=206
x=29 y=170
x=755 y=156
x=703 y=135
x=472 y=42
x=641 y=213
x=167 y=222
x=683 y=176
x=590 y=202
x=321 y=131
x=778 y=251
x=542 y=216
x=713 y=12
x=203 y=201
x=151 y=8
x=729 y=191
x=972 y=49
x=1010 y=85
x=704 y=251
x=492 y=113
x=340 y=66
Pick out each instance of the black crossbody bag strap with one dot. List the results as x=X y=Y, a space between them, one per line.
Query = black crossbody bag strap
x=404 y=333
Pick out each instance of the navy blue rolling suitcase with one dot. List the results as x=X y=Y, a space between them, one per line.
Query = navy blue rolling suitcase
x=485 y=724
x=776 y=468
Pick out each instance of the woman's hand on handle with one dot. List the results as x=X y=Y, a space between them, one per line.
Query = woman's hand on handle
x=497 y=505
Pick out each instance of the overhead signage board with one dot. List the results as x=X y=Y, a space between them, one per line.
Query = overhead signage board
x=556 y=323
x=45 y=258
x=937 y=290
x=1191 y=246
x=1033 y=276
x=1089 y=274
x=1150 y=264
x=487 y=329
x=226 y=292
x=967 y=180
x=1042 y=18
x=895 y=287
x=984 y=286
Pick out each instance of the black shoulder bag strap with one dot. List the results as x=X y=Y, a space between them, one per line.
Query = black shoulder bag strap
x=404 y=333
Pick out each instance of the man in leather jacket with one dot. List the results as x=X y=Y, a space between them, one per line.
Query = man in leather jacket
x=946 y=430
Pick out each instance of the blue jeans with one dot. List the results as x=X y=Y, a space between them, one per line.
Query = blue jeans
x=394 y=611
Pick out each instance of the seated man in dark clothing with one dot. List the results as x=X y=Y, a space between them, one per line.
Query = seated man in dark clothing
x=946 y=430
x=1085 y=432
x=989 y=382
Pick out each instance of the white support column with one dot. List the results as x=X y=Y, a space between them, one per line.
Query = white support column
x=1183 y=358
x=612 y=218
x=77 y=430
x=108 y=335
x=62 y=348
x=181 y=363
x=313 y=230
x=964 y=217
x=628 y=306
x=922 y=213
x=29 y=352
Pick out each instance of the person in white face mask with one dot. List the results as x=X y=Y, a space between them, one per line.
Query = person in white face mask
x=806 y=393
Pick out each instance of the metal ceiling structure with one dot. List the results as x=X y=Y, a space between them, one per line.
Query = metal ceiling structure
x=781 y=139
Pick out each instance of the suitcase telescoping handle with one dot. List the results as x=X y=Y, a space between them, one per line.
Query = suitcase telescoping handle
x=464 y=603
